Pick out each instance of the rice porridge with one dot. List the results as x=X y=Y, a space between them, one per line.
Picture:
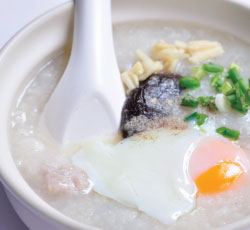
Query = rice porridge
x=52 y=175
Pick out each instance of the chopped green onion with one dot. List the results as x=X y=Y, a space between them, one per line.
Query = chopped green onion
x=189 y=101
x=211 y=68
x=219 y=83
x=231 y=98
x=218 y=89
x=198 y=117
x=201 y=119
x=245 y=108
x=197 y=72
x=234 y=74
x=240 y=106
x=227 y=88
x=229 y=133
x=205 y=100
x=234 y=65
x=216 y=81
x=208 y=102
x=238 y=92
x=243 y=85
x=237 y=106
x=191 y=117
x=247 y=98
x=189 y=83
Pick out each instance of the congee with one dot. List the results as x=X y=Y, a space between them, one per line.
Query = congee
x=181 y=157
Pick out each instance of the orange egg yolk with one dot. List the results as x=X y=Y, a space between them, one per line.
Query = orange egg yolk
x=219 y=178
x=216 y=165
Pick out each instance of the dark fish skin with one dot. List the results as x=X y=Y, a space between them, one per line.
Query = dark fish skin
x=150 y=98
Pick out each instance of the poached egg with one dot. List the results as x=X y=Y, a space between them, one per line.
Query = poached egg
x=160 y=172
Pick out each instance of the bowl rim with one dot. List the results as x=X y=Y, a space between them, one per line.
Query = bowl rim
x=46 y=210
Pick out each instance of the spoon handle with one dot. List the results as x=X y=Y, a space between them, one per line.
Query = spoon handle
x=93 y=38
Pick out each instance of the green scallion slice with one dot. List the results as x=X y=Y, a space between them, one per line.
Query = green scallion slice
x=189 y=83
x=212 y=68
x=205 y=100
x=216 y=81
x=218 y=89
x=208 y=102
x=197 y=72
x=240 y=106
x=247 y=98
x=243 y=85
x=191 y=117
x=238 y=92
x=234 y=74
x=227 y=88
x=231 y=98
x=199 y=118
x=232 y=65
x=228 y=133
x=190 y=101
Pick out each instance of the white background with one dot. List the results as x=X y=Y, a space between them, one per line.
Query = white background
x=14 y=14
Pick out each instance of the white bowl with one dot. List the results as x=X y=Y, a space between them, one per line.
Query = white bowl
x=53 y=31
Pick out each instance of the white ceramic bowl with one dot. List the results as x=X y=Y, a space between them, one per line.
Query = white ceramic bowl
x=53 y=31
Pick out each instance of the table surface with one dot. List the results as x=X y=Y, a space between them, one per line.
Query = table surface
x=14 y=15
